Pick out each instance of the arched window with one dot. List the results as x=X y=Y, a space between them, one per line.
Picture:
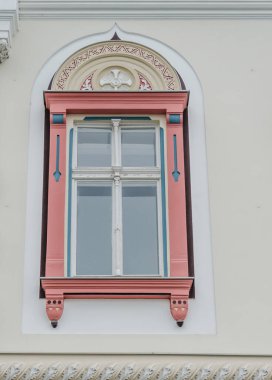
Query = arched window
x=119 y=204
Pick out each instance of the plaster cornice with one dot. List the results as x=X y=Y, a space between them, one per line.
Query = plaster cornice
x=8 y=26
x=145 y=9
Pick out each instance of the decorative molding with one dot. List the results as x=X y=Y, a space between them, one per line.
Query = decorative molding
x=8 y=20
x=58 y=118
x=57 y=172
x=175 y=172
x=4 y=50
x=139 y=102
x=150 y=9
x=115 y=65
x=154 y=371
x=115 y=79
x=174 y=289
x=174 y=118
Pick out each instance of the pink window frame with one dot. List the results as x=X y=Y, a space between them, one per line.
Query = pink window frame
x=57 y=287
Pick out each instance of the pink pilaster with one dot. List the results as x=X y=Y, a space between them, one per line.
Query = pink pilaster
x=176 y=198
x=56 y=200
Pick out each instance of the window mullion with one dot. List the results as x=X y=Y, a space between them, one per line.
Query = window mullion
x=117 y=259
x=117 y=228
x=116 y=147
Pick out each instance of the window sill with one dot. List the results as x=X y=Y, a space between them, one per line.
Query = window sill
x=57 y=289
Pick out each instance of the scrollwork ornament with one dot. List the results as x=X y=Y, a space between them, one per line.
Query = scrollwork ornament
x=222 y=373
x=107 y=373
x=58 y=371
x=126 y=372
x=260 y=374
x=164 y=374
x=89 y=373
x=203 y=373
x=145 y=373
x=70 y=372
x=13 y=371
x=32 y=373
x=184 y=372
x=51 y=372
x=241 y=373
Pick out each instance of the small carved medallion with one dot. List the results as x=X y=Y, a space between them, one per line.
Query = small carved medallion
x=116 y=79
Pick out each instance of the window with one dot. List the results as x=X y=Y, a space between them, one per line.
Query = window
x=116 y=199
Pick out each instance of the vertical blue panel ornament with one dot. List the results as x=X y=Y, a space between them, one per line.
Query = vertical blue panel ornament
x=57 y=172
x=175 y=173
x=164 y=232
x=69 y=221
x=174 y=118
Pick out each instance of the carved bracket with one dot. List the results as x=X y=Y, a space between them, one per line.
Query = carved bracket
x=54 y=308
x=179 y=308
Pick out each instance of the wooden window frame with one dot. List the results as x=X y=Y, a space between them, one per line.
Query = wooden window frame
x=56 y=285
x=116 y=174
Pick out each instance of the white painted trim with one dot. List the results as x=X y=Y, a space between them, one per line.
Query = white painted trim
x=146 y=9
x=117 y=228
x=132 y=316
x=116 y=174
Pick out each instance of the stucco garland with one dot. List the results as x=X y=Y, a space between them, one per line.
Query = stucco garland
x=189 y=371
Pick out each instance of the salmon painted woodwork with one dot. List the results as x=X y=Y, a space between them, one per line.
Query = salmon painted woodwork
x=57 y=284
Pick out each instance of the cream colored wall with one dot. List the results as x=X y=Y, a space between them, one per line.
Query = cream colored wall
x=233 y=61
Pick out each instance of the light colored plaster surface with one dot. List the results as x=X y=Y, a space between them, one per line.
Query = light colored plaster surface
x=233 y=61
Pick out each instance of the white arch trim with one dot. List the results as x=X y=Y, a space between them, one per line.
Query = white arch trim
x=126 y=316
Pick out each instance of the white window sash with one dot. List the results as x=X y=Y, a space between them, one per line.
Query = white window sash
x=116 y=174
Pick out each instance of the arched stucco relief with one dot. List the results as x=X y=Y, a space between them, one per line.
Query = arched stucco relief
x=116 y=66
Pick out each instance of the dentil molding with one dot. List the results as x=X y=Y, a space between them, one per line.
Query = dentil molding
x=146 y=9
x=75 y=371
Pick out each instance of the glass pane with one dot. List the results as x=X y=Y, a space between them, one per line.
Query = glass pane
x=140 y=229
x=94 y=226
x=138 y=147
x=94 y=147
